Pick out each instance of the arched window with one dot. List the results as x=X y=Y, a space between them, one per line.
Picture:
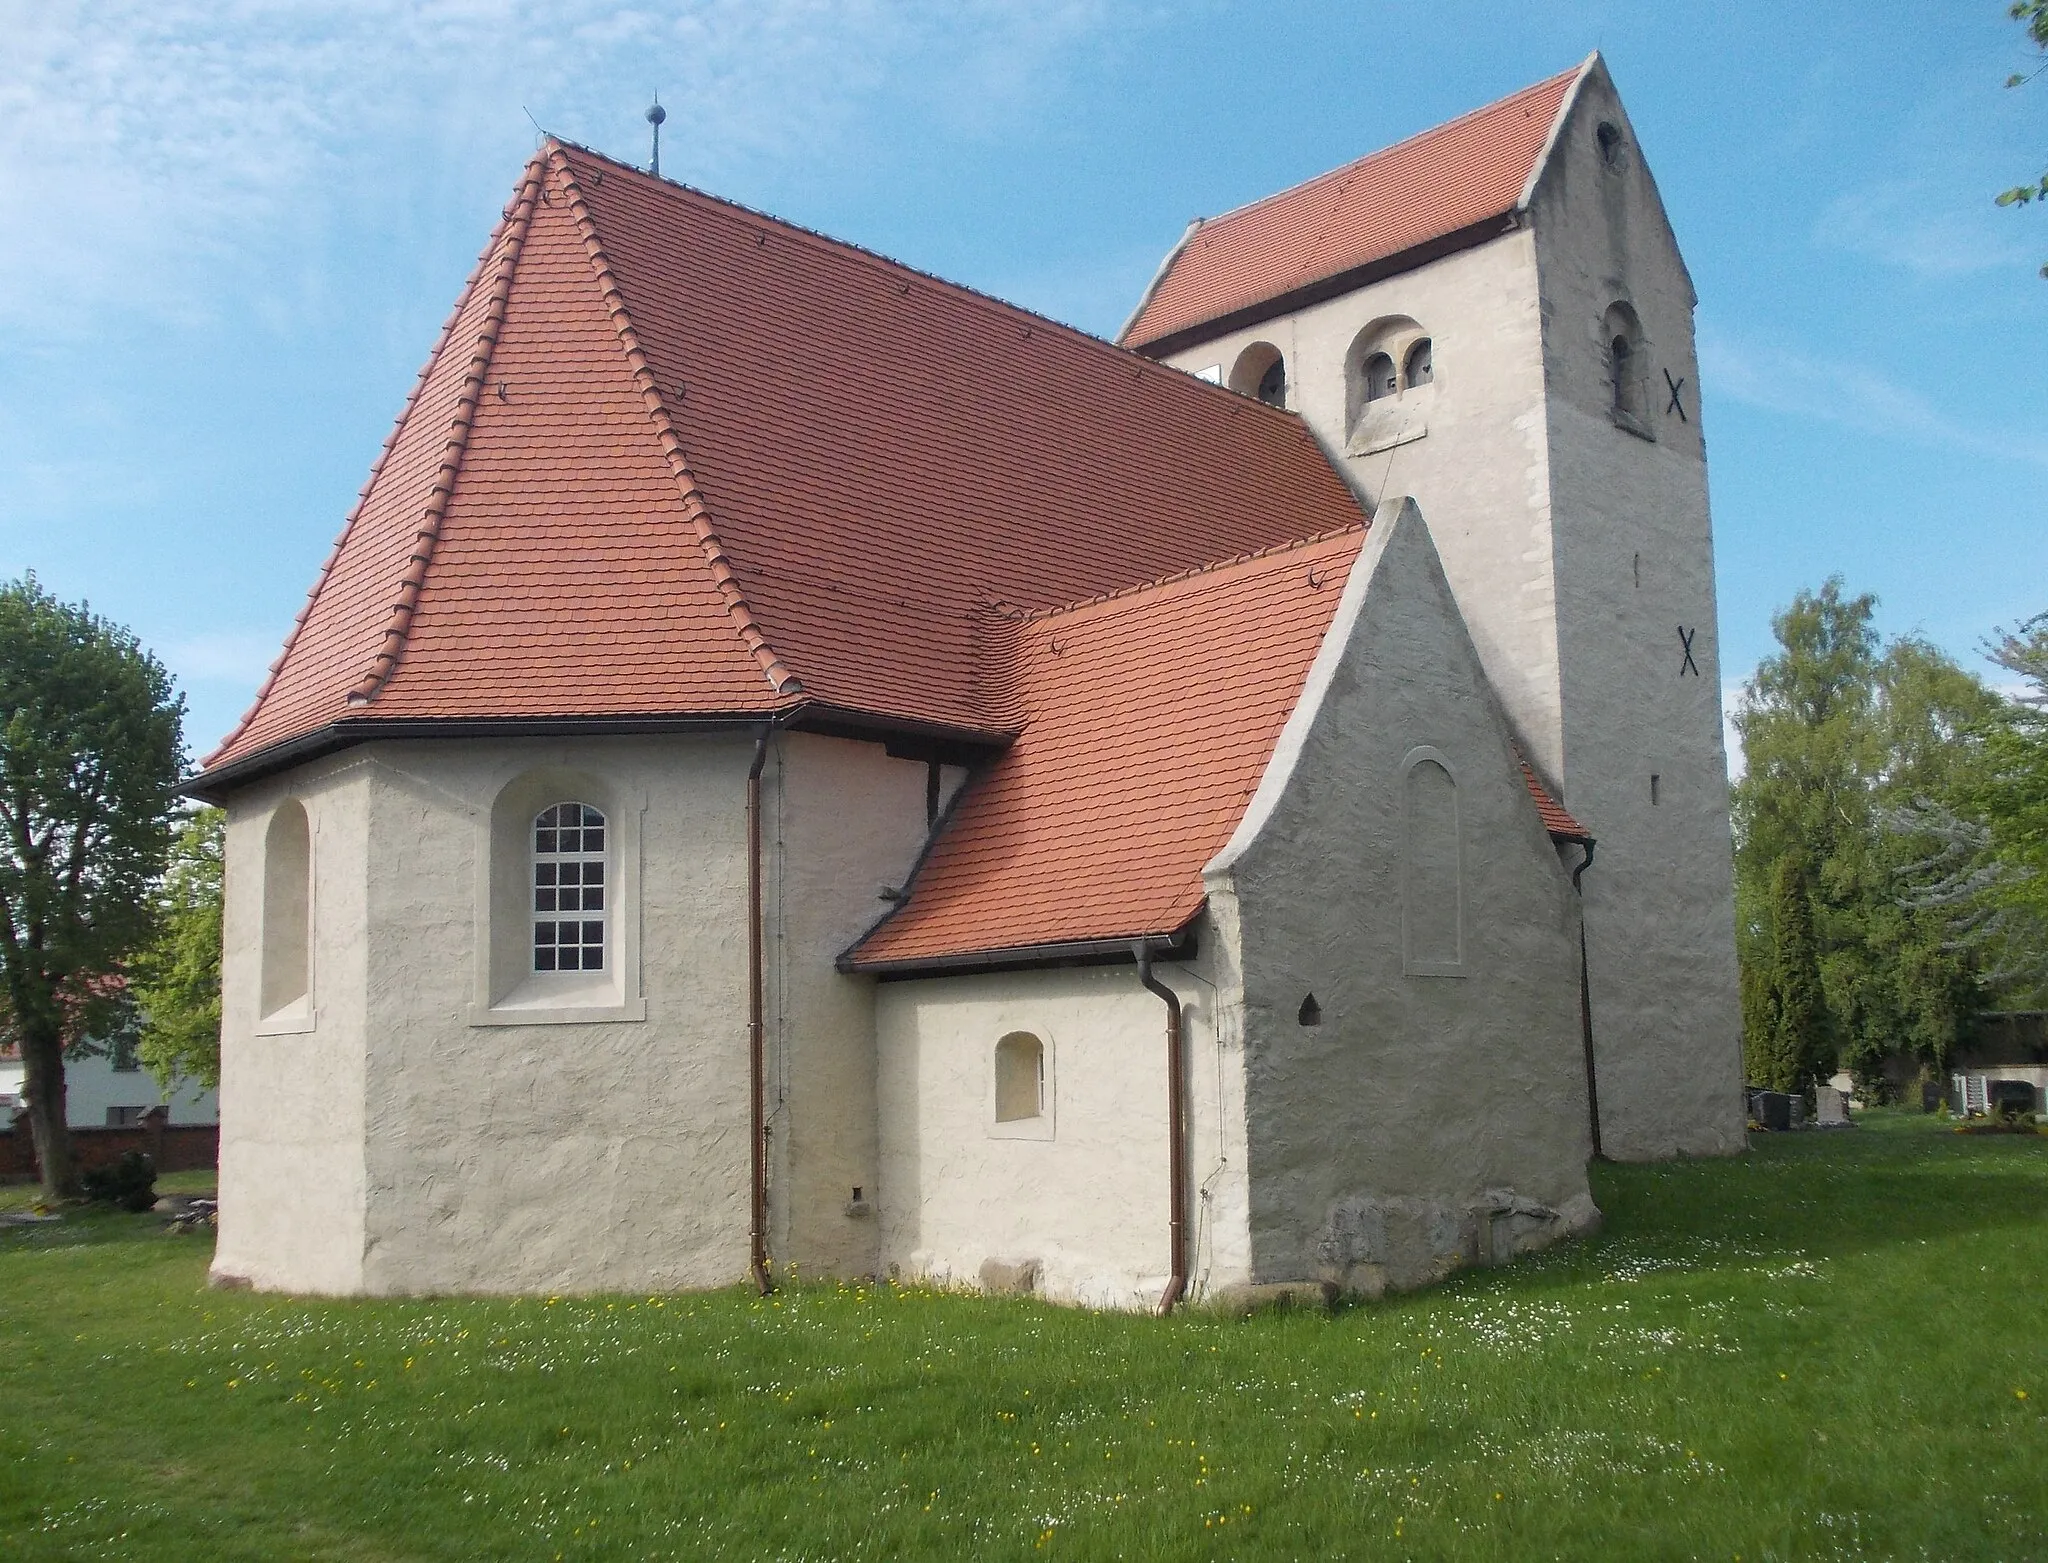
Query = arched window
x=286 y=981
x=1609 y=137
x=1379 y=377
x=1260 y=371
x=1622 y=334
x=1421 y=367
x=1020 y=1078
x=1432 y=892
x=569 y=888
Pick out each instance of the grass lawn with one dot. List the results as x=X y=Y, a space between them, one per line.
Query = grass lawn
x=1836 y=1347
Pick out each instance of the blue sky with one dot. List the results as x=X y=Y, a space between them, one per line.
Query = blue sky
x=233 y=228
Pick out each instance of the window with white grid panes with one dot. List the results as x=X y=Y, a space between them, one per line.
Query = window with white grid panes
x=568 y=888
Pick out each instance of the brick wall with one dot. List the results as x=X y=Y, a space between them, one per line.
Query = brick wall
x=173 y=1147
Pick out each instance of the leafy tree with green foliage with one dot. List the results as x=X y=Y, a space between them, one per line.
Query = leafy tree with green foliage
x=1841 y=733
x=91 y=745
x=176 y=980
x=2032 y=15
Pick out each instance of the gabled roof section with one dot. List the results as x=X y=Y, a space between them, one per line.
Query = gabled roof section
x=1557 y=819
x=1148 y=718
x=673 y=458
x=1438 y=191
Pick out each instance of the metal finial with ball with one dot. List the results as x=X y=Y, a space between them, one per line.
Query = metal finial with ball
x=655 y=115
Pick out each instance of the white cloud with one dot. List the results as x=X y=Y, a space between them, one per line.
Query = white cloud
x=1850 y=396
x=146 y=147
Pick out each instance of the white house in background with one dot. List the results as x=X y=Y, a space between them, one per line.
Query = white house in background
x=109 y=1090
x=793 y=762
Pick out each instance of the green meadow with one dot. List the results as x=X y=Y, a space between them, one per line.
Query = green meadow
x=1835 y=1347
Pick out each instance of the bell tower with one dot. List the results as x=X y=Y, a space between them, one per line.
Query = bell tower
x=1528 y=376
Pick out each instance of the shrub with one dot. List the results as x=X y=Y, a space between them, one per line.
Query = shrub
x=130 y=1183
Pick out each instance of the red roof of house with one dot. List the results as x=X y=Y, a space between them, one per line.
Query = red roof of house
x=1146 y=721
x=1427 y=188
x=672 y=457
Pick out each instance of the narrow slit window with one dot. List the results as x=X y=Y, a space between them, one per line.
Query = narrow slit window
x=570 y=888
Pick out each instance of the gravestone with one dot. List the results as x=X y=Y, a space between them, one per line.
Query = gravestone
x=1830 y=1108
x=2017 y=1097
x=1774 y=1110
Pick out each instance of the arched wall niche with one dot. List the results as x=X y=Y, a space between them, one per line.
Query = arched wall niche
x=1432 y=867
x=1626 y=353
x=285 y=1000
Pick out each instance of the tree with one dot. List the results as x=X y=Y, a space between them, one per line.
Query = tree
x=1845 y=737
x=91 y=744
x=176 y=980
x=2032 y=15
x=1793 y=1048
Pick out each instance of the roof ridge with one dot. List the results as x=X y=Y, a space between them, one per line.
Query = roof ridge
x=967 y=293
x=363 y=494
x=1344 y=170
x=385 y=662
x=696 y=508
x=1033 y=615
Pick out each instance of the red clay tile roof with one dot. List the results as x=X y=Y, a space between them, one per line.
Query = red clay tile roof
x=1147 y=720
x=1556 y=818
x=1426 y=188
x=672 y=457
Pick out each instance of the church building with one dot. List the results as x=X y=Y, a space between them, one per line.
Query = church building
x=794 y=766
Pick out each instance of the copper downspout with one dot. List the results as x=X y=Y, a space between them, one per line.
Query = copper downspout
x=1176 y=1130
x=758 y=1226
x=1586 y=1005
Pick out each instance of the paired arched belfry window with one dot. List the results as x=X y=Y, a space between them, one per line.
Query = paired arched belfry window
x=1388 y=359
x=569 y=888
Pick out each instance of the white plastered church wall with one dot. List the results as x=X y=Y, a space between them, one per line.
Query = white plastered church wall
x=1423 y=1121
x=1635 y=573
x=292 y=1150
x=1085 y=1198
x=472 y=1137
x=845 y=821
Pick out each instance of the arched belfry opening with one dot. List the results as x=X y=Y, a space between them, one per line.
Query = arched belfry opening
x=1261 y=372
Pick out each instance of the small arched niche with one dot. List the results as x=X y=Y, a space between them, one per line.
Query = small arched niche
x=1627 y=365
x=1261 y=372
x=1613 y=145
x=1310 y=1013
x=285 y=984
x=1020 y=1078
